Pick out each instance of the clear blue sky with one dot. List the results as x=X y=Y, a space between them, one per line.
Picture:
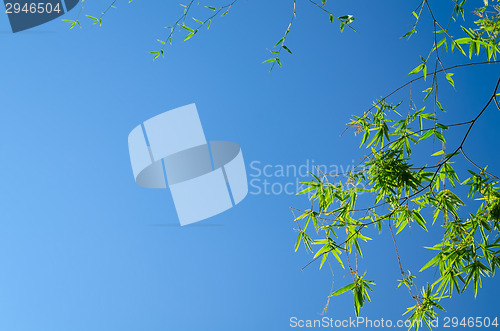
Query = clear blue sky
x=82 y=247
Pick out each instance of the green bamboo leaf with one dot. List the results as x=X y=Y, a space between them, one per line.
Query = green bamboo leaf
x=96 y=20
x=419 y=219
x=337 y=257
x=198 y=21
x=469 y=33
x=186 y=27
x=426 y=135
x=409 y=33
x=439 y=135
x=270 y=60
x=438 y=153
x=343 y=289
x=325 y=249
x=417 y=69
x=73 y=23
x=279 y=41
x=297 y=243
x=308 y=189
x=450 y=80
x=431 y=262
x=287 y=49
x=156 y=54
x=189 y=36
x=323 y=259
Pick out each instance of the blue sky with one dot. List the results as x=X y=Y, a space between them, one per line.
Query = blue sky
x=82 y=247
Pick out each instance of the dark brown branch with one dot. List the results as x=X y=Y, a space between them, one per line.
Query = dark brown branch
x=482 y=169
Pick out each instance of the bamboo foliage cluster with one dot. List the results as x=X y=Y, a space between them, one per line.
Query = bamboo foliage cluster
x=405 y=194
